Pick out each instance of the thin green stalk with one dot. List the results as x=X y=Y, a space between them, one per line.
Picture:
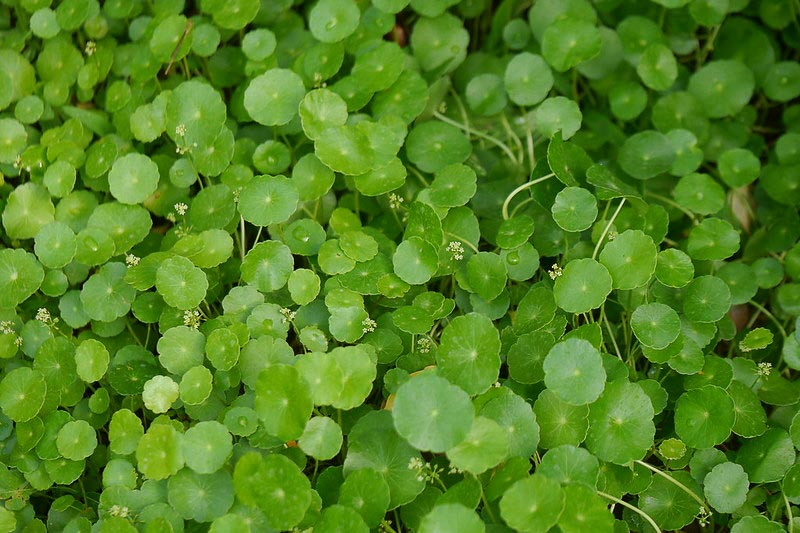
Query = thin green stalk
x=463 y=241
x=519 y=206
x=529 y=140
x=789 y=514
x=672 y=203
x=611 y=335
x=487 y=506
x=242 y=242
x=709 y=46
x=133 y=333
x=632 y=508
x=675 y=482
x=607 y=228
x=521 y=188
x=513 y=136
x=769 y=315
x=497 y=142
x=419 y=175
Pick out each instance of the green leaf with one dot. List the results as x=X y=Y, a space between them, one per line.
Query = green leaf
x=669 y=505
x=726 y=487
x=374 y=443
x=268 y=200
x=283 y=401
x=655 y=325
x=756 y=339
x=570 y=41
x=583 y=286
x=574 y=209
x=704 y=417
x=646 y=154
x=722 y=87
x=415 y=261
x=621 y=423
x=200 y=497
x=533 y=504
x=527 y=79
x=484 y=447
x=431 y=414
x=573 y=370
x=451 y=516
x=275 y=485
x=133 y=178
x=180 y=283
x=272 y=98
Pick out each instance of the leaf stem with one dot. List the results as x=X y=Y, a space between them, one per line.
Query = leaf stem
x=242 y=237
x=497 y=142
x=611 y=335
x=419 y=175
x=769 y=315
x=677 y=483
x=672 y=203
x=519 y=190
x=788 y=510
x=486 y=504
x=463 y=241
x=607 y=228
x=632 y=508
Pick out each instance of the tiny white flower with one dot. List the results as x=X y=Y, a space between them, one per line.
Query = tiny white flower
x=180 y=130
x=90 y=48
x=764 y=369
x=395 y=201
x=288 y=314
x=43 y=315
x=369 y=325
x=555 y=272
x=424 y=344
x=457 y=249
x=6 y=327
x=181 y=208
x=192 y=319
x=131 y=260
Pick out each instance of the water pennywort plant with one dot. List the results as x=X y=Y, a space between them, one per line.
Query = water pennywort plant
x=392 y=265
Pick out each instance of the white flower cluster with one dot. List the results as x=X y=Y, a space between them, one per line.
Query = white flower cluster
x=703 y=517
x=131 y=260
x=764 y=369
x=424 y=470
x=180 y=131
x=288 y=314
x=43 y=315
x=395 y=201
x=424 y=344
x=7 y=328
x=90 y=48
x=181 y=208
x=193 y=319
x=119 y=510
x=369 y=325
x=457 y=249
x=555 y=272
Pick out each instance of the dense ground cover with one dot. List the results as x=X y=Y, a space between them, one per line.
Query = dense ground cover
x=398 y=265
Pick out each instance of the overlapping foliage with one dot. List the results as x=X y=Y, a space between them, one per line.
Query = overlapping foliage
x=426 y=265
